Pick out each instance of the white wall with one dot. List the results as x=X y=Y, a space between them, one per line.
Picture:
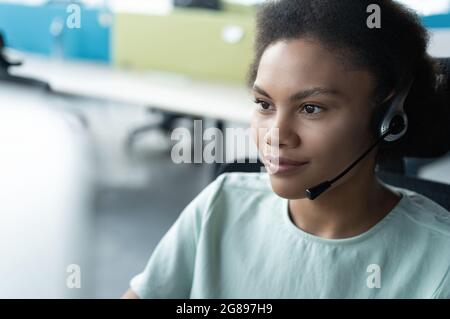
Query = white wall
x=440 y=43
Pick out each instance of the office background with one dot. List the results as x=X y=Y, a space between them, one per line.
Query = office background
x=131 y=72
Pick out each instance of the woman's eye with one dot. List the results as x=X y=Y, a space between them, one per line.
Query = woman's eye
x=265 y=106
x=311 y=109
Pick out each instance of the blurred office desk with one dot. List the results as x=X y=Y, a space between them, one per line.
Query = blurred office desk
x=167 y=92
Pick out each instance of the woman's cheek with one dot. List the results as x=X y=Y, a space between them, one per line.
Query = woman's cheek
x=325 y=143
x=343 y=144
x=259 y=128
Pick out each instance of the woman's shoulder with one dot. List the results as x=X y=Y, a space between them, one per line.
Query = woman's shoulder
x=424 y=212
x=236 y=181
x=235 y=187
x=236 y=193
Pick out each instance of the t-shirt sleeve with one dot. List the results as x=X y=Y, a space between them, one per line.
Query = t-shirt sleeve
x=443 y=291
x=169 y=271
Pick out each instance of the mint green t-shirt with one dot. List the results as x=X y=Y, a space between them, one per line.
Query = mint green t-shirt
x=236 y=240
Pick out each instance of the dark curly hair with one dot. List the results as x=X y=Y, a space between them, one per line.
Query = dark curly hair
x=393 y=54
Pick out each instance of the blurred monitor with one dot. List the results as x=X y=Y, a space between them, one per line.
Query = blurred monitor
x=204 y=4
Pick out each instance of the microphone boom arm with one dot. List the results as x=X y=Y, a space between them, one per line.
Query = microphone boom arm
x=315 y=191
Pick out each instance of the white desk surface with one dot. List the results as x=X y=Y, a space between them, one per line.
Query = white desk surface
x=168 y=92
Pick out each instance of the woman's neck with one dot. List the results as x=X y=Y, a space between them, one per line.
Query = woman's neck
x=346 y=210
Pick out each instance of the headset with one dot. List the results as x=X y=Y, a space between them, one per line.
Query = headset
x=389 y=124
x=391 y=114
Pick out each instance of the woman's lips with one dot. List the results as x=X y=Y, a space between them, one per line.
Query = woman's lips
x=281 y=165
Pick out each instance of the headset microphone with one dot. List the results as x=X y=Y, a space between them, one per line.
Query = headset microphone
x=315 y=191
x=393 y=126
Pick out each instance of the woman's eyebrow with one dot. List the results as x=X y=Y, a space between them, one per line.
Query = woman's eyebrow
x=312 y=92
x=301 y=94
x=261 y=91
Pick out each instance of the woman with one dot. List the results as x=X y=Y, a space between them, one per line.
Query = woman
x=319 y=77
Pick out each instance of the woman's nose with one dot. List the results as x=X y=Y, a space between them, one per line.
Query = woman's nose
x=283 y=132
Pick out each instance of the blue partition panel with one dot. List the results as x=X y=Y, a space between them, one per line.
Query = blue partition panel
x=27 y=28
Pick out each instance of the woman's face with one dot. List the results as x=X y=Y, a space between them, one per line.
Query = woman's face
x=310 y=108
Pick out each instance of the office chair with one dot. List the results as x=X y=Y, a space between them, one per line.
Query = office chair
x=5 y=75
x=30 y=83
x=412 y=165
x=166 y=123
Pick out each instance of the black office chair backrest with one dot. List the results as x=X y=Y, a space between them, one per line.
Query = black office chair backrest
x=398 y=165
x=438 y=192
x=444 y=65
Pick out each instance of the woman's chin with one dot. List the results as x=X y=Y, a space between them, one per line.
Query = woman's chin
x=285 y=190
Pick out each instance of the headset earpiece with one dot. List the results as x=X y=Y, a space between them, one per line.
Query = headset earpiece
x=390 y=115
